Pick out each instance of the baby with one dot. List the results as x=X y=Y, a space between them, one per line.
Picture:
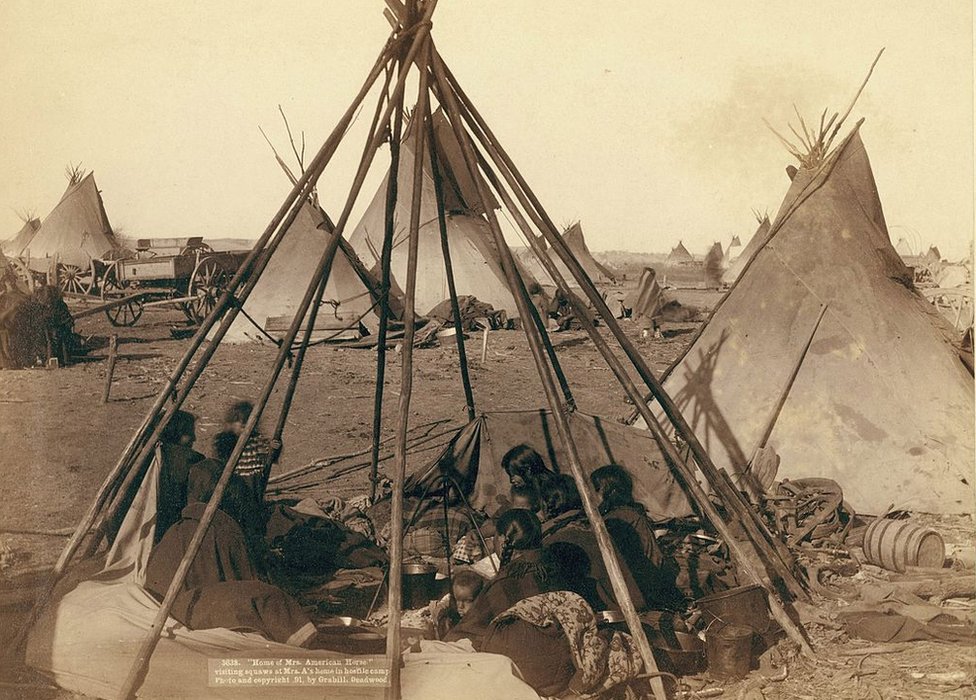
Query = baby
x=465 y=587
x=524 y=497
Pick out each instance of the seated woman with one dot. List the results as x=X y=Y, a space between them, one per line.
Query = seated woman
x=525 y=570
x=633 y=534
x=569 y=538
x=221 y=587
x=178 y=455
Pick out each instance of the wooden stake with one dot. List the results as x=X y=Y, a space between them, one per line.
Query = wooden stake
x=484 y=346
x=560 y=415
x=113 y=346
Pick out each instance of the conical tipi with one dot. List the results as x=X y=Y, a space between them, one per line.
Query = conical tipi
x=755 y=243
x=75 y=231
x=477 y=270
x=347 y=302
x=21 y=241
x=881 y=402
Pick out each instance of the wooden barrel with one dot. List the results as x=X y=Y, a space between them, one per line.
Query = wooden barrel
x=896 y=544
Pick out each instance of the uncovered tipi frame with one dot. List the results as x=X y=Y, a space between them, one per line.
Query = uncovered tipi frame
x=410 y=46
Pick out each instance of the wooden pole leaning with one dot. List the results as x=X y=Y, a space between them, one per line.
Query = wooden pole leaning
x=385 y=263
x=406 y=389
x=155 y=420
x=560 y=414
x=668 y=449
x=548 y=229
x=449 y=270
x=141 y=661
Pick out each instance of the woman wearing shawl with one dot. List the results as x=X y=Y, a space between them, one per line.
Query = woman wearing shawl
x=633 y=535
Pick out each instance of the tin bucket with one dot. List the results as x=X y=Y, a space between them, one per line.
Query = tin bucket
x=744 y=605
x=729 y=652
x=418 y=585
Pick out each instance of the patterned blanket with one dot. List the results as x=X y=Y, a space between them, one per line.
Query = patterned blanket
x=602 y=660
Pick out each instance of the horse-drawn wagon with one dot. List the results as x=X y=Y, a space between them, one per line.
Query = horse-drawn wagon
x=184 y=272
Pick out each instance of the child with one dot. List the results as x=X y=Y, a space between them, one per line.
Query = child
x=254 y=466
x=465 y=587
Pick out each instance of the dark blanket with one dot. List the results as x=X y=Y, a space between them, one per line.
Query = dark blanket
x=542 y=654
x=633 y=535
x=171 y=497
x=221 y=587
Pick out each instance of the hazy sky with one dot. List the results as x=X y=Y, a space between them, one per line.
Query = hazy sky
x=642 y=119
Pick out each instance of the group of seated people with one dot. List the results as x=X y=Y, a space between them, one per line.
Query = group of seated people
x=544 y=546
x=548 y=546
x=223 y=585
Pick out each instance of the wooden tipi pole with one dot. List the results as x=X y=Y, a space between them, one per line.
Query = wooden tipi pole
x=449 y=270
x=559 y=412
x=406 y=388
x=386 y=255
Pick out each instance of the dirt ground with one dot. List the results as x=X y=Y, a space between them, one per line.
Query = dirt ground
x=58 y=441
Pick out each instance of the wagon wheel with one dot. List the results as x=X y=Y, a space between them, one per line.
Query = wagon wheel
x=206 y=285
x=76 y=278
x=114 y=288
x=23 y=273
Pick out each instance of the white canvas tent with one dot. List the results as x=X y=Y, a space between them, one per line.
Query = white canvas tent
x=734 y=269
x=477 y=270
x=75 y=231
x=881 y=402
x=22 y=239
x=347 y=302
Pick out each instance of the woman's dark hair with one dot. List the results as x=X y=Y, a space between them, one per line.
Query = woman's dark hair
x=524 y=462
x=528 y=492
x=202 y=480
x=521 y=530
x=615 y=486
x=559 y=495
x=182 y=423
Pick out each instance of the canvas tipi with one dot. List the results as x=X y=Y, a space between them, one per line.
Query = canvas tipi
x=76 y=231
x=823 y=351
x=714 y=266
x=22 y=240
x=477 y=269
x=350 y=297
x=734 y=269
x=679 y=255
